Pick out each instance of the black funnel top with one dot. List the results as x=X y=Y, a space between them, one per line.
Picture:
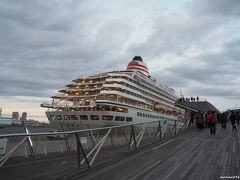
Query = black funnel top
x=137 y=58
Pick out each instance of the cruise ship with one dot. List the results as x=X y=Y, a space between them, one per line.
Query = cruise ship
x=113 y=98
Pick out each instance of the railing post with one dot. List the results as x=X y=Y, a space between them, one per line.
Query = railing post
x=79 y=147
x=130 y=140
x=29 y=140
x=112 y=141
x=164 y=129
x=175 y=126
x=179 y=124
x=160 y=130
x=78 y=151
x=125 y=133
x=92 y=137
x=65 y=138
x=134 y=138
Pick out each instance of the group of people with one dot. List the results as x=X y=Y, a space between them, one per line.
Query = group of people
x=231 y=116
x=211 y=118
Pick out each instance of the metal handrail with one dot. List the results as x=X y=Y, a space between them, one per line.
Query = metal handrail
x=133 y=138
x=78 y=131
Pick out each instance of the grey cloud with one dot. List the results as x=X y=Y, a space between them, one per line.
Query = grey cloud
x=216 y=7
x=43 y=46
x=210 y=69
x=50 y=15
x=171 y=78
x=23 y=99
x=215 y=74
x=27 y=85
x=175 y=35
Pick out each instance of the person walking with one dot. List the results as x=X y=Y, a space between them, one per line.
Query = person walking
x=211 y=124
x=199 y=120
x=215 y=120
x=233 y=119
x=223 y=118
x=206 y=120
x=238 y=118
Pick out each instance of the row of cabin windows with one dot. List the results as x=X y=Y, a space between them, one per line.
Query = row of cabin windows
x=153 y=88
x=132 y=93
x=149 y=115
x=146 y=93
x=137 y=95
x=147 y=88
x=92 y=117
x=87 y=86
x=129 y=79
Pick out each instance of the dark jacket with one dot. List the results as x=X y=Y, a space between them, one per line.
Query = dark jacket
x=232 y=118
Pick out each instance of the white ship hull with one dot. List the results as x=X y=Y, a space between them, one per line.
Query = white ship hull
x=64 y=119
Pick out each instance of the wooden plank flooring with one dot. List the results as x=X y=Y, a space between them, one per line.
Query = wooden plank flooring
x=196 y=155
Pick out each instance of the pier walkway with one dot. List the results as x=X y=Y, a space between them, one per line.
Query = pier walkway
x=195 y=155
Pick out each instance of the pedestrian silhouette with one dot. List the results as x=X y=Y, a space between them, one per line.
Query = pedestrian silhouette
x=233 y=119
x=223 y=118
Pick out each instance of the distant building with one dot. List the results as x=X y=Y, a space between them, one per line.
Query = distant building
x=15 y=115
x=0 y=112
x=24 y=116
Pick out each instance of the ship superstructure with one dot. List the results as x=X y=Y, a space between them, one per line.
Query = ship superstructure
x=113 y=98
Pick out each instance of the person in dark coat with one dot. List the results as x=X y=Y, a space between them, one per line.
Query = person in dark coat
x=233 y=119
x=223 y=118
x=238 y=118
x=215 y=120
x=199 y=120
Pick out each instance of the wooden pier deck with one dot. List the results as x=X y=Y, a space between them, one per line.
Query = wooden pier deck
x=196 y=155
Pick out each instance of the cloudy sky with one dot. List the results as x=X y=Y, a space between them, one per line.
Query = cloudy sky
x=192 y=45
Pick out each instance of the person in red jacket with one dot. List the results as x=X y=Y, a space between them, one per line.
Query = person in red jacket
x=212 y=119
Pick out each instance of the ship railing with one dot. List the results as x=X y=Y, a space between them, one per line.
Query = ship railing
x=60 y=94
x=91 y=146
